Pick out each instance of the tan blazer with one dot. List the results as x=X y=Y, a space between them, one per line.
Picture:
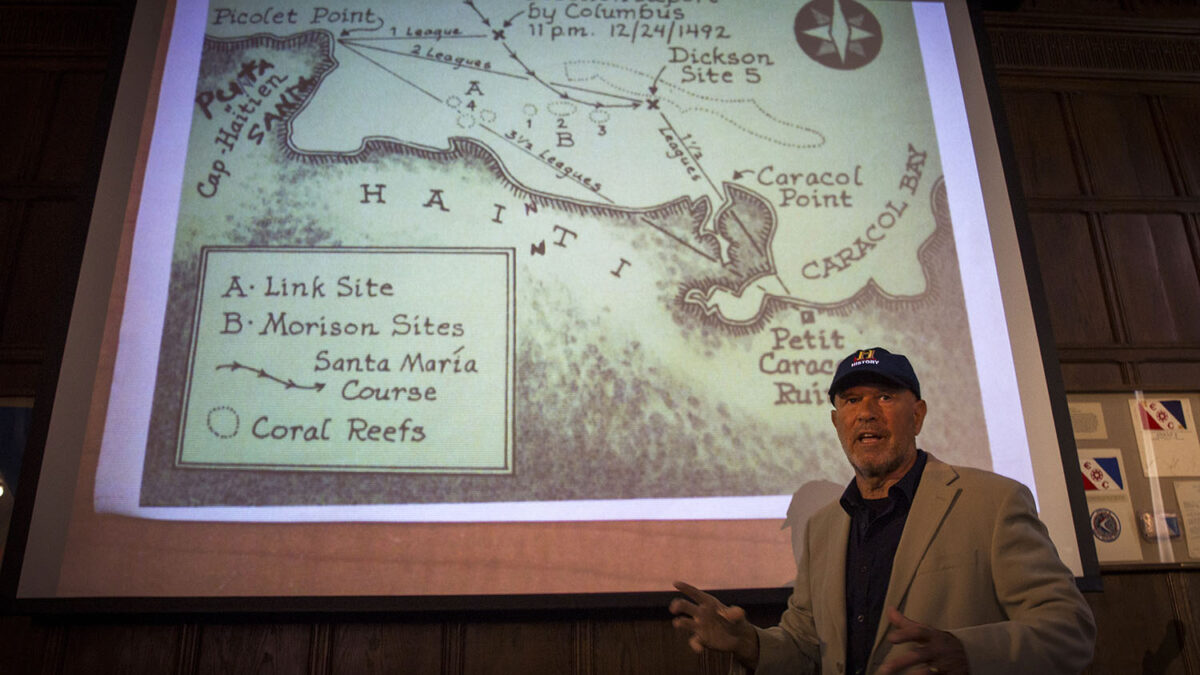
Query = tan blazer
x=974 y=560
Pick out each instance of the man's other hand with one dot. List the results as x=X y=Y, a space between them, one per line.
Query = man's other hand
x=714 y=625
x=934 y=651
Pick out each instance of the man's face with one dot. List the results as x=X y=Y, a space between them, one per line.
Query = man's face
x=878 y=426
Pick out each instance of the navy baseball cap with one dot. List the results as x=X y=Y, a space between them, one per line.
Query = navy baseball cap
x=873 y=364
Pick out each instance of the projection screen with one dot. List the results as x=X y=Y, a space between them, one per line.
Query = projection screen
x=513 y=298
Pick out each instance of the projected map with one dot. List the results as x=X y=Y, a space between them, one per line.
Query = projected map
x=489 y=251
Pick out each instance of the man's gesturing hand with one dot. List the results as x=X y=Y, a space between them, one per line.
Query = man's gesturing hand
x=714 y=625
x=934 y=651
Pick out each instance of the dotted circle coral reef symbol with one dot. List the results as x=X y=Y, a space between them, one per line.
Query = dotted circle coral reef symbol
x=561 y=108
x=223 y=422
x=1105 y=525
x=840 y=34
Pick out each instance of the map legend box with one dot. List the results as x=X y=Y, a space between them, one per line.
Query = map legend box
x=352 y=360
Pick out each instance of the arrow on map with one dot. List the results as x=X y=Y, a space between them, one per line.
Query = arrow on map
x=262 y=374
x=348 y=31
x=654 y=84
x=508 y=22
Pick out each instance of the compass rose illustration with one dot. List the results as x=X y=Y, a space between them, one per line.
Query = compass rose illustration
x=839 y=34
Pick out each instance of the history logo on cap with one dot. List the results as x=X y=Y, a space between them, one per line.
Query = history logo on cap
x=864 y=356
x=873 y=364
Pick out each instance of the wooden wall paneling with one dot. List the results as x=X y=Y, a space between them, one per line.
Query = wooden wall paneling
x=1181 y=375
x=27 y=95
x=1121 y=145
x=53 y=61
x=187 y=652
x=9 y=217
x=53 y=647
x=716 y=663
x=528 y=647
x=55 y=105
x=254 y=647
x=584 y=646
x=1085 y=6
x=72 y=28
x=1193 y=232
x=1155 y=272
x=1137 y=631
x=10 y=241
x=1040 y=143
x=320 y=649
x=642 y=646
x=1084 y=375
x=1120 y=334
x=1082 y=170
x=1180 y=140
x=360 y=648
x=71 y=128
x=1185 y=596
x=120 y=648
x=49 y=235
x=1082 y=46
x=1075 y=291
x=1180 y=115
x=22 y=644
x=454 y=638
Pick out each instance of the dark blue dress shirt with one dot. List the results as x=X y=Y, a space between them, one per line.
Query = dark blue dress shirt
x=875 y=529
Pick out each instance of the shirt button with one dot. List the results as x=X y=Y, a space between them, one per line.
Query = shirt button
x=860 y=618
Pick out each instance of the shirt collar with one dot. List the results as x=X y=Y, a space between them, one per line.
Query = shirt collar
x=904 y=489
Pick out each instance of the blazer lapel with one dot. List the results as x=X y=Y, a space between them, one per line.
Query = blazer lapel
x=935 y=494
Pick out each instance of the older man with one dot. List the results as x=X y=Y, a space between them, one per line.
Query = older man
x=920 y=567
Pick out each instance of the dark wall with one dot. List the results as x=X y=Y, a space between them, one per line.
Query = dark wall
x=1103 y=100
